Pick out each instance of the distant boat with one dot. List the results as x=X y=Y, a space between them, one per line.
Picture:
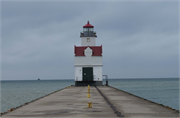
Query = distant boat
x=38 y=78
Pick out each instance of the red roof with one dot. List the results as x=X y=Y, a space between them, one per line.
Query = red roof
x=88 y=25
x=96 y=50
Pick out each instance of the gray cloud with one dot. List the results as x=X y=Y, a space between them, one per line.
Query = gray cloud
x=140 y=39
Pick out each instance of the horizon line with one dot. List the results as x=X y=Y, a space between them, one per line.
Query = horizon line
x=103 y=79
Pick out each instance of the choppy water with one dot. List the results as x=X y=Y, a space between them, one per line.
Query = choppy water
x=16 y=93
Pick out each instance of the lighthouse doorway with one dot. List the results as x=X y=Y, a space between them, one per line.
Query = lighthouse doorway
x=87 y=73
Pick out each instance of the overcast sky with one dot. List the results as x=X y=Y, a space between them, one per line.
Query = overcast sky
x=139 y=38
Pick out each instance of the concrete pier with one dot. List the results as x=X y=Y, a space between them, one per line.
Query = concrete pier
x=73 y=102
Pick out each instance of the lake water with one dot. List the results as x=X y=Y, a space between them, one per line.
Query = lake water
x=163 y=91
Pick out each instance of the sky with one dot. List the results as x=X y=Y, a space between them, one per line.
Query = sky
x=139 y=38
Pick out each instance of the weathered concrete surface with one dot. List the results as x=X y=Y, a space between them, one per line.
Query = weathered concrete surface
x=132 y=106
x=72 y=102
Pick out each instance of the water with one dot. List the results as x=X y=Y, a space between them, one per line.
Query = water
x=163 y=91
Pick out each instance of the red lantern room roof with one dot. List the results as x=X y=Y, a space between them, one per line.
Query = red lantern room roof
x=88 y=25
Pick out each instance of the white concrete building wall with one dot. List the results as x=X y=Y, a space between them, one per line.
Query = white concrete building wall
x=88 y=42
x=78 y=73
x=94 y=60
x=97 y=71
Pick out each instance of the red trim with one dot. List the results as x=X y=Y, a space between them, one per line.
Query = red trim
x=96 y=50
x=79 y=51
x=88 y=25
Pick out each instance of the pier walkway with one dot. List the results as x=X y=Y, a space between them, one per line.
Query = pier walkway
x=72 y=102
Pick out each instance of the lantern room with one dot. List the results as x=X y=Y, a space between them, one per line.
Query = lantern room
x=88 y=31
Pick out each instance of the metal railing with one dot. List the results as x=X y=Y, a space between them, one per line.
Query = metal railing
x=88 y=33
x=106 y=76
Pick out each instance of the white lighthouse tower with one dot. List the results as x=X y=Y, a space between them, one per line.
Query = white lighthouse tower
x=88 y=59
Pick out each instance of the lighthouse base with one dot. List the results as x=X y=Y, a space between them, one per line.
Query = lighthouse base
x=86 y=83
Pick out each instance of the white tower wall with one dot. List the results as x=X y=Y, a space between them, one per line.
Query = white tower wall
x=97 y=71
x=78 y=73
x=88 y=41
x=81 y=60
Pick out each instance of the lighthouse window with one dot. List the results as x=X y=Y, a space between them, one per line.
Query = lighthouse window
x=88 y=39
x=90 y=29
x=85 y=29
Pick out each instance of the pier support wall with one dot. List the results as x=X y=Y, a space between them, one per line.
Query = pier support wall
x=86 y=83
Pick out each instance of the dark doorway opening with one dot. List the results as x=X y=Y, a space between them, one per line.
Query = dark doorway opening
x=87 y=73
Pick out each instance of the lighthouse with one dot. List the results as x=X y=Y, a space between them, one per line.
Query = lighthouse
x=88 y=59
